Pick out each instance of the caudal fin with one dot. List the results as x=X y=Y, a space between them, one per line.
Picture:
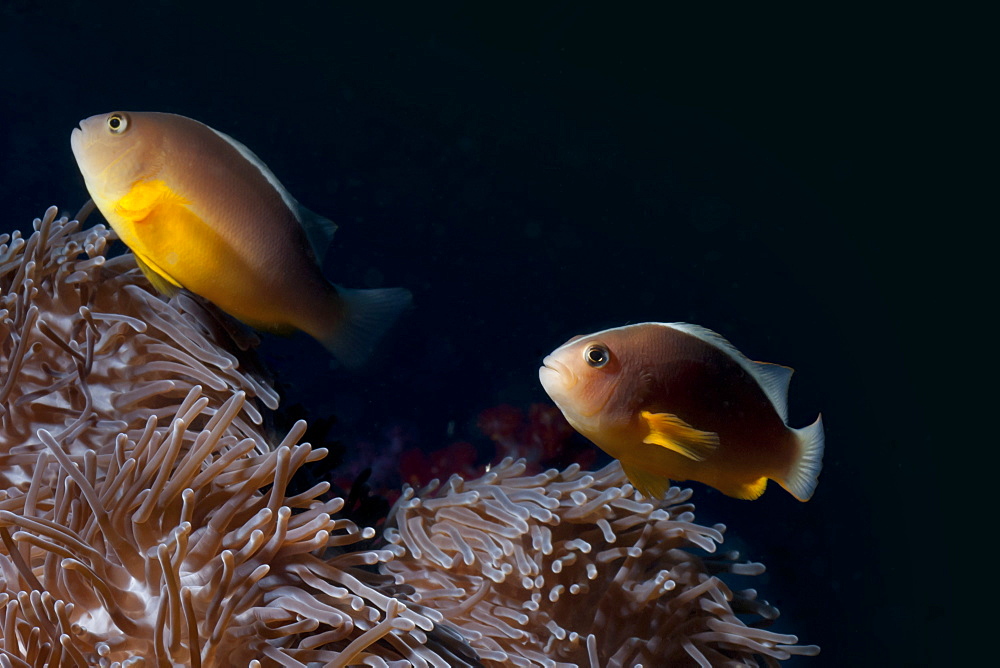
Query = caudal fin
x=803 y=474
x=368 y=314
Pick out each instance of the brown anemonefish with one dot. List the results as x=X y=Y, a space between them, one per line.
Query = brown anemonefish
x=679 y=402
x=201 y=212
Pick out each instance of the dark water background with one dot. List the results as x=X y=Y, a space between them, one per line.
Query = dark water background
x=537 y=171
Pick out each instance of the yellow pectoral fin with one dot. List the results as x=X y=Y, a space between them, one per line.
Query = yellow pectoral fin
x=651 y=485
x=675 y=434
x=143 y=198
x=159 y=278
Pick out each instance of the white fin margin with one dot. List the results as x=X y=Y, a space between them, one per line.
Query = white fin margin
x=319 y=230
x=803 y=475
x=772 y=378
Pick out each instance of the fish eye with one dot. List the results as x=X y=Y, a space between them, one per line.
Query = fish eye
x=597 y=355
x=117 y=123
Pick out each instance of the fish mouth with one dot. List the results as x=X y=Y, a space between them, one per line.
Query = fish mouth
x=553 y=370
x=76 y=139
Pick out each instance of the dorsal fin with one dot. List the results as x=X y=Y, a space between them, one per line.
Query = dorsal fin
x=772 y=378
x=319 y=230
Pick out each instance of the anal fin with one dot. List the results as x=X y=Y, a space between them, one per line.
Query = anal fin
x=162 y=283
x=649 y=484
x=750 y=491
x=675 y=434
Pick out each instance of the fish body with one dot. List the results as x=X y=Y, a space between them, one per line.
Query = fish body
x=201 y=212
x=677 y=401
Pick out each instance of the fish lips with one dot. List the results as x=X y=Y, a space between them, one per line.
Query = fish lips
x=85 y=133
x=556 y=376
x=78 y=141
x=75 y=138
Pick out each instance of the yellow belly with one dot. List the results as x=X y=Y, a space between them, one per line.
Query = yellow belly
x=162 y=230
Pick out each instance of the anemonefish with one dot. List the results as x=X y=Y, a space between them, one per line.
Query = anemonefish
x=203 y=213
x=679 y=402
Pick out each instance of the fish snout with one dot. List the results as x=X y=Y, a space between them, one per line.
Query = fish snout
x=77 y=140
x=554 y=375
x=86 y=131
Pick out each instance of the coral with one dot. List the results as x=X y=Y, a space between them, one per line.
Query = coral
x=573 y=568
x=543 y=437
x=418 y=468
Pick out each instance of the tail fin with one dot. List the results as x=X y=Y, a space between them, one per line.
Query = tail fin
x=803 y=475
x=367 y=316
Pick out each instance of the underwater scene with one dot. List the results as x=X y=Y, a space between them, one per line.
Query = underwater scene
x=456 y=335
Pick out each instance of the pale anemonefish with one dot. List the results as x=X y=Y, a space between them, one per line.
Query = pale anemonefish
x=200 y=211
x=679 y=402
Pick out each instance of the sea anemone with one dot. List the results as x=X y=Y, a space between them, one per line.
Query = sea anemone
x=89 y=351
x=573 y=568
x=146 y=517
